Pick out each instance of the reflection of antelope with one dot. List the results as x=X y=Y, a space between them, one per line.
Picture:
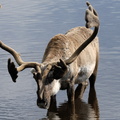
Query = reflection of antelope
x=67 y=61
x=77 y=110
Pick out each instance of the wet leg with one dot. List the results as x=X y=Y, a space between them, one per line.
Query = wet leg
x=53 y=104
x=92 y=80
x=80 y=90
x=70 y=92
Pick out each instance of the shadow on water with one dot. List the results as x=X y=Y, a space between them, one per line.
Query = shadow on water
x=78 y=110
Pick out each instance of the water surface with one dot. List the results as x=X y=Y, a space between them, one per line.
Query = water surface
x=27 y=26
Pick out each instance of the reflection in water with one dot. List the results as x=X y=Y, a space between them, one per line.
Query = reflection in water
x=78 y=110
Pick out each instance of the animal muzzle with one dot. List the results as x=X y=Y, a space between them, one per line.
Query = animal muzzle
x=43 y=103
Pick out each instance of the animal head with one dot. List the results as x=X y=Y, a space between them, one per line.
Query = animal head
x=48 y=81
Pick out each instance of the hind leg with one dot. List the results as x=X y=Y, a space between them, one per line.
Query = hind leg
x=80 y=89
x=92 y=78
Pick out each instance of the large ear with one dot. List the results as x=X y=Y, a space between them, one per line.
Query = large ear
x=36 y=75
x=59 y=69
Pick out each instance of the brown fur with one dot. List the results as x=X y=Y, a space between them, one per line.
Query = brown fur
x=69 y=59
x=64 y=45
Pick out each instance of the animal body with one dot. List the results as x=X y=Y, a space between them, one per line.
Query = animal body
x=69 y=59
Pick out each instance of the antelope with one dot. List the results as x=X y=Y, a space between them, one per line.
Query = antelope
x=69 y=59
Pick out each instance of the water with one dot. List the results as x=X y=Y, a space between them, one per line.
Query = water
x=27 y=26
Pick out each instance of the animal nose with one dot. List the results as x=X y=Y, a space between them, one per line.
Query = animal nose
x=42 y=103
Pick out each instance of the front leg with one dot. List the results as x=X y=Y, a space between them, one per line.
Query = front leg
x=53 y=104
x=70 y=92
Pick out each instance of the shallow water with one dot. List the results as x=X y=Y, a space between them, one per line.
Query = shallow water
x=27 y=26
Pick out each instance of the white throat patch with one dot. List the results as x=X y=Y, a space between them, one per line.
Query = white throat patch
x=55 y=87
